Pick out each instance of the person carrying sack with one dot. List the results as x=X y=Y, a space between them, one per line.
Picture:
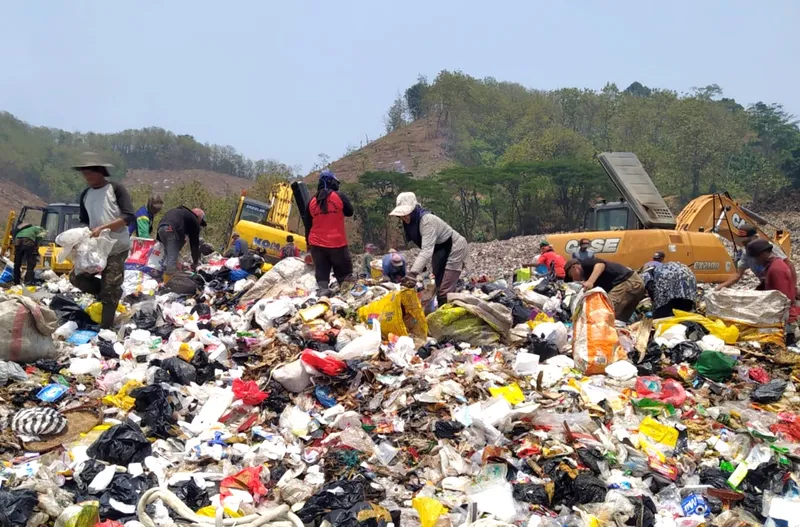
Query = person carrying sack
x=442 y=248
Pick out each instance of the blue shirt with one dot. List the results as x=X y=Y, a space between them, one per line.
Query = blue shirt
x=581 y=255
x=391 y=271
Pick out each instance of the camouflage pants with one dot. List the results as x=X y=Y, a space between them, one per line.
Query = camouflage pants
x=108 y=288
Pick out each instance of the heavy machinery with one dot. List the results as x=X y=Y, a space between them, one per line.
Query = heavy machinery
x=55 y=218
x=266 y=225
x=631 y=230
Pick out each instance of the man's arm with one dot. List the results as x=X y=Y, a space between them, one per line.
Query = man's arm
x=194 y=245
x=598 y=269
x=730 y=281
x=428 y=232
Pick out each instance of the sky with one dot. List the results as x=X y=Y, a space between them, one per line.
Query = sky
x=291 y=80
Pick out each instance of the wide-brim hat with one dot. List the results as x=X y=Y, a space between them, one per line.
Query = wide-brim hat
x=406 y=203
x=91 y=160
x=397 y=260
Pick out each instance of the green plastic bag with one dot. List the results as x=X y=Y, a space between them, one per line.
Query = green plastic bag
x=715 y=365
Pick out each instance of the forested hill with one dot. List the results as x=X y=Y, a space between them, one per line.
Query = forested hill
x=37 y=158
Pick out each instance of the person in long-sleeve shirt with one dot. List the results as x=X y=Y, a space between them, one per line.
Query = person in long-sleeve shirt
x=176 y=226
x=105 y=205
x=26 y=251
x=441 y=247
x=394 y=266
x=327 y=238
x=143 y=228
x=777 y=275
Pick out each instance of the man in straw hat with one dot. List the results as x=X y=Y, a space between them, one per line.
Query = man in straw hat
x=105 y=205
x=442 y=248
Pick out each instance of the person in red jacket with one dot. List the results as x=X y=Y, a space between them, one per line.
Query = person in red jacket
x=327 y=239
x=553 y=261
x=777 y=277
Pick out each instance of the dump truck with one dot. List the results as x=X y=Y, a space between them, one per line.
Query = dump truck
x=55 y=218
x=631 y=230
x=265 y=226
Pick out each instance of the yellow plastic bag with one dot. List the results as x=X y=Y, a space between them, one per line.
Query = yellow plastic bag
x=121 y=399
x=186 y=352
x=428 y=509
x=540 y=318
x=655 y=431
x=511 y=393
x=730 y=334
x=400 y=313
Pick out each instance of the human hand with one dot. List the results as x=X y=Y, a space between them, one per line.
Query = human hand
x=587 y=285
x=97 y=230
x=409 y=280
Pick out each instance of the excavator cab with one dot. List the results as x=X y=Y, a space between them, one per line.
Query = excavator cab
x=614 y=216
x=55 y=218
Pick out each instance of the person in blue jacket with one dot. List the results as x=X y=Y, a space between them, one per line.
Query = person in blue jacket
x=394 y=266
x=143 y=227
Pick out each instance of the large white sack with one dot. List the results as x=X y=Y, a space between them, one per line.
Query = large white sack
x=748 y=306
x=26 y=330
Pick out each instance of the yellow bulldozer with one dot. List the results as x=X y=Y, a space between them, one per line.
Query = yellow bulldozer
x=265 y=226
x=55 y=218
x=631 y=230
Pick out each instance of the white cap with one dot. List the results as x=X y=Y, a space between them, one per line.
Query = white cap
x=406 y=203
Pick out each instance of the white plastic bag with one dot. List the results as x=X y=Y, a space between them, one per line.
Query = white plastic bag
x=88 y=255
x=364 y=346
x=555 y=332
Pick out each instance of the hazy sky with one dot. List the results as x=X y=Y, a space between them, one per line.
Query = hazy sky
x=288 y=80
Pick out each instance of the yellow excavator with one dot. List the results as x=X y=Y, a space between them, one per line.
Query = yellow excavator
x=631 y=230
x=55 y=218
x=265 y=226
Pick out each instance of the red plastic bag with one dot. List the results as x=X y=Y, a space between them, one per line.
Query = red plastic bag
x=108 y=523
x=248 y=392
x=666 y=391
x=248 y=479
x=759 y=375
x=327 y=364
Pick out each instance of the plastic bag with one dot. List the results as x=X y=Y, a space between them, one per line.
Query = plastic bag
x=555 y=332
x=154 y=407
x=399 y=313
x=11 y=371
x=69 y=311
x=687 y=351
x=191 y=494
x=16 y=507
x=180 y=371
x=545 y=349
x=292 y=376
x=88 y=255
x=363 y=347
x=248 y=392
x=327 y=364
x=337 y=495
x=428 y=509
x=596 y=343
x=458 y=324
x=730 y=334
x=770 y=392
x=121 y=444
x=715 y=365
x=666 y=391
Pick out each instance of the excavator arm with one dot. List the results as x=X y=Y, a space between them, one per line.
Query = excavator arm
x=720 y=214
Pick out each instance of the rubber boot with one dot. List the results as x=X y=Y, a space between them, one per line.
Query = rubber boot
x=324 y=289
x=109 y=312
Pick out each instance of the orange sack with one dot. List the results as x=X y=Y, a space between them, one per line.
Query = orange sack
x=595 y=343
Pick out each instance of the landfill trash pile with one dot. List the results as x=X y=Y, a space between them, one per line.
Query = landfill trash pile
x=244 y=399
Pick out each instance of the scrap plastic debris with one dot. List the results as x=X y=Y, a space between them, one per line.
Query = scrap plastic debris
x=239 y=397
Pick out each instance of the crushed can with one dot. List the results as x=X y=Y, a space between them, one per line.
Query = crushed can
x=695 y=504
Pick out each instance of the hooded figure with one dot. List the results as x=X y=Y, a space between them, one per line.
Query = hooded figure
x=442 y=248
x=327 y=239
x=143 y=228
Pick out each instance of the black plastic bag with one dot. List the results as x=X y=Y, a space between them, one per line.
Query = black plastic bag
x=107 y=349
x=88 y=470
x=202 y=310
x=16 y=507
x=278 y=397
x=588 y=489
x=447 y=429
x=349 y=517
x=121 y=444
x=544 y=348
x=336 y=495
x=182 y=284
x=644 y=511
x=769 y=477
x=546 y=288
x=203 y=368
x=180 y=371
x=714 y=477
x=124 y=489
x=155 y=409
x=535 y=493
x=191 y=494
x=651 y=363
x=770 y=392
x=69 y=311
x=591 y=458
x=695 y=331
x=519 y=313
x=250 y=262
x=686 y=351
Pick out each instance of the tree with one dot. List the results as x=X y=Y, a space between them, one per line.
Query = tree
x=396 y=116
x=637 y=89
x=415 y=97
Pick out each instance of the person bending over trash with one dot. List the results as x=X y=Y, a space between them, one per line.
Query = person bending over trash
x=551 y=260
x=105 y=205
x=670 y=285
x=143 y=228
x=327 y=239
x=444 y=249
x=778 y=276
x=394 y=266
x=177 y=225
x=26 y=251
x=750 y=234
x=239 y=247
x=290 y=250
x=624 y=286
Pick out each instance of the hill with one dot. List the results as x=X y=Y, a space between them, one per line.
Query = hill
x=13 y=197
x=162 y=181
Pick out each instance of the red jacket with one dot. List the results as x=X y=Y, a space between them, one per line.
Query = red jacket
x=327 y=229
x=779 y=277
x=548 y=257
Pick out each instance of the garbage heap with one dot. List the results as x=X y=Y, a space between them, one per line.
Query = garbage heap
x=235 y=398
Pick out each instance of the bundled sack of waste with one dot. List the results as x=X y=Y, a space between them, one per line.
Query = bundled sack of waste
x=399 y=312
x=760 y=316
x=595 y=342
x=26 y=330
x=88 y=254
x=469 y=319
x=284 y=274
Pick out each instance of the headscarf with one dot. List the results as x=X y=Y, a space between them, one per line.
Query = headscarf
x=411 y=229
x=327 y=184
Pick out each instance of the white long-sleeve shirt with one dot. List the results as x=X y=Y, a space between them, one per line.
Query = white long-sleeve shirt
x=434 y=231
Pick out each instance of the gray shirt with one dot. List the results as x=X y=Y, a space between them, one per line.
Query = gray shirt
x=435 y=230
x=103 y=205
